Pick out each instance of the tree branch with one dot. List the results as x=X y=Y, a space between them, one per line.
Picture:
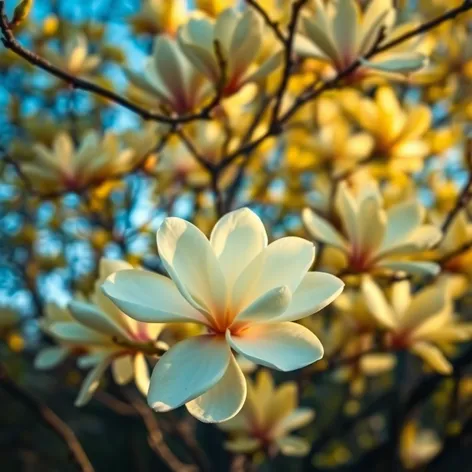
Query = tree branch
x=49 y=418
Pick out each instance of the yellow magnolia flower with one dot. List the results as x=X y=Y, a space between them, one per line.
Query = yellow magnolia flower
x=268 y=417
x=63 y=168
x=423 y=323
x=75 y=58
x=159 y=17
x=245 y=292
x=399 y=134
x=239 y=37
x=418 y=446
x=341 y=33
x=371 y=238
x=106 y=335
x=169 y=79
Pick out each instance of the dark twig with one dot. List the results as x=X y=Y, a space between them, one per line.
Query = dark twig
x=462 y=201
x=156 y=437
x=273 y=25
x=49 y=418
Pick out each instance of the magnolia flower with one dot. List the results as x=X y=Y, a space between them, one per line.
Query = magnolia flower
x=239 y=37
x=341 y=34
x=372 y=238
x=102 y=336
x=169 y=79
x=65 y=168
x=267 y=419
x=158 y=17
x=246 y=293
x=75 y=58
x=423 y=323
x=213 y=7
x=398 y=133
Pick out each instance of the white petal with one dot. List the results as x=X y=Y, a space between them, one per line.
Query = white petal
x=188 y=370
x=404 y=62
x=282 y=346
x=91 y=383
x=77 y=334
x=92 y=317
x=149 y=297
x=223 y=401
x=267 y=307
x=322 y=231
x=122 y=369
x=110 y=266
x=191 y=262
x=50 y=357
x=284 y=262
x=237 y=238
x=316 y=291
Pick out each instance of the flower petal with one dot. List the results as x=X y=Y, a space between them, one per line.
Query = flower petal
x=322 y=231
x=267 y=307
x=293 y=446
x=76 y=334
x=378 y=304
x=91 y=383
x=237 y=239
x=188 y=370
x=50 y=357
x=191 y=262
x=141 y=373
x=284 y=262
x=122 y=369
x=433 y=357
x=149 y=297
x=412 y=267
x=223 y=401
x=282 y=346
x=295 y=420
x=316 y=291
x=92 y=317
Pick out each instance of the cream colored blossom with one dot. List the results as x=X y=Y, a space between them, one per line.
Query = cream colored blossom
x=268 y=417
x=423 y=323
x=75 y=58
x=169 y=80
x=102 y=336
x=371 y=238
x=245 y=292
x=340 y=33
x=239 y=37
x=65 y=167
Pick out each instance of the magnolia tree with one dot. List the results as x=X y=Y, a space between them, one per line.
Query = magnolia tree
x=306 y=167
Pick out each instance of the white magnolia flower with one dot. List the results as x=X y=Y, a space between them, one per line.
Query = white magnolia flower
x=245 y=292
x=340 y=33
x=170 y=78
x=374 y=238
x=102 y=336
x=268 y=417
x=239 y=36
x=423 y=323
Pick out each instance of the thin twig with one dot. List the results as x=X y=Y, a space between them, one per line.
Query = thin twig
x=49 y=418
x=273 y=25
x=156 y=437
